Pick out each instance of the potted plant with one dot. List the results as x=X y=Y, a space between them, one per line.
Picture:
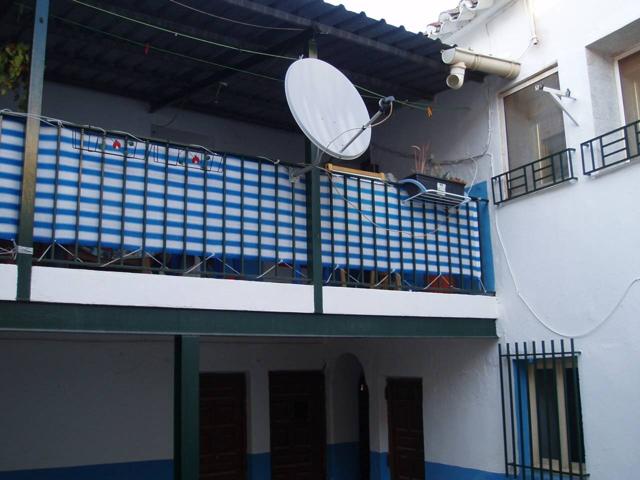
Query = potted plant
x=430 y=175
x=14 y=72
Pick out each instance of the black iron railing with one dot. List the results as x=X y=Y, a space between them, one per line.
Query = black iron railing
x=379 y=240
x=541 y=411
x=612 y=148
x=546 y=172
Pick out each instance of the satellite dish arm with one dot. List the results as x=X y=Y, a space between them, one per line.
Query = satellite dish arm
x=384 y=105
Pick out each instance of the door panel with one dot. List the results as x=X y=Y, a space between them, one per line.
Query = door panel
x=297 y=419
x=406 y=438
x=223 y=426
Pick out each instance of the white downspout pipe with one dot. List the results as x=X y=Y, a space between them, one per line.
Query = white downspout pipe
x=462 y=59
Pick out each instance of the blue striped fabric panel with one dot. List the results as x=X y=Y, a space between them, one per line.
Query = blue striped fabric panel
x=400 y=241
x=116 y=212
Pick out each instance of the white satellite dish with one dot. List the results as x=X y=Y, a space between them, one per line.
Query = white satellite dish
x=327 y=108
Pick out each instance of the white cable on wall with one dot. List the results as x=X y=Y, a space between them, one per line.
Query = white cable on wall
x=519 y=293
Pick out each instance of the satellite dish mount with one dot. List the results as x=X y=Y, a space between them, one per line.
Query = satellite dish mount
x=328 y=109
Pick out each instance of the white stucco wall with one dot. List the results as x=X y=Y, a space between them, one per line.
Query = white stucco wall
x=108 y=111
x=86 y=400
x=571 y=253
x=81 y=401
x=567 y=261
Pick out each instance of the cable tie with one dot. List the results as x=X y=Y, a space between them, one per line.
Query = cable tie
x=23 y=250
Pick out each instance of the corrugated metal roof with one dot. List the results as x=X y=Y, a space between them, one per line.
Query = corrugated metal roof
x=96 y=50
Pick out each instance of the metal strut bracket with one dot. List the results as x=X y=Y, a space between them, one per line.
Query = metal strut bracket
x=557 y=96
x=384 y=105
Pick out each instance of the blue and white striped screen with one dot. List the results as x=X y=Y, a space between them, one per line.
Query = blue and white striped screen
x=89 y=191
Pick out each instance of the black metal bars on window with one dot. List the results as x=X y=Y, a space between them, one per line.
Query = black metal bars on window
x=546 y=172
x=541 y=411
x=612 y=148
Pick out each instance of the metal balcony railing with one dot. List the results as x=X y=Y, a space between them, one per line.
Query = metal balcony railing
x=110 y=200
x=546 y=172
x=373 y=238
x=612 y=148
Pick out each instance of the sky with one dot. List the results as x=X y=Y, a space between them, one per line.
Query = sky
x=413 y=14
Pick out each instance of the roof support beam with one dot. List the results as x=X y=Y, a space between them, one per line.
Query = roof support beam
x=32 y=134
x=220 y=76
x=169 y=25
x=57 y=317
x=336 y=32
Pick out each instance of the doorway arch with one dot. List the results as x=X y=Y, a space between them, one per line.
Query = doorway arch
x=349 y=449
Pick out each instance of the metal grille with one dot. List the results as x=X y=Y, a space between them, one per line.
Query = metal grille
x=541 y=411
x=533 y=177
x=612 y=148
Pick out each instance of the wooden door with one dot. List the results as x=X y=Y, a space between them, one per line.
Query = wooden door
x=406 y=440
x=297 y=419
x=223 y=426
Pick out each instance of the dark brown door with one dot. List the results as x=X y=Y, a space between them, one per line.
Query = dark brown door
x=406 y=440
x=297 y=425
x=223 y=426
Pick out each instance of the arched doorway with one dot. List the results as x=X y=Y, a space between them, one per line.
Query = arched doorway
x=349 y=450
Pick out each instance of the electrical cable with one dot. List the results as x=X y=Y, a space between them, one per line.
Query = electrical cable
x=373 y=94
x=384 y=119
x=55 y=122
x=246 y=24
x=363 y=215
x=512 y=274
x=179 y=34
x=163 y=50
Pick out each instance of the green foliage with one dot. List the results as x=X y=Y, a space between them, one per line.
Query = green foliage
x=14 y=71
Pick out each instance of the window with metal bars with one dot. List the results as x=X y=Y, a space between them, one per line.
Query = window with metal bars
x=542 y=418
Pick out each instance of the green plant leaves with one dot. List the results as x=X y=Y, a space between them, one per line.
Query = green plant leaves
x=14 y=71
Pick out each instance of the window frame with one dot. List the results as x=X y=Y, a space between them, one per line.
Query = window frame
x=536 y=77
x=556 y=365
x=618 y=79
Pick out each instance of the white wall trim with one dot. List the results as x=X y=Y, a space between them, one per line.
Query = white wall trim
x=9 y=281
x=90 y=287
x=62 y=285
x=360 y=301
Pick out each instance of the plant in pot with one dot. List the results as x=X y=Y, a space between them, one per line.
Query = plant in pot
x=14 y=72
x=430 y=175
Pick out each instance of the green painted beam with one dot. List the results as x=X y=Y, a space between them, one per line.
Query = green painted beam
x=32 y=134
x=186 y=408
x=55 y=317
x=314 y=226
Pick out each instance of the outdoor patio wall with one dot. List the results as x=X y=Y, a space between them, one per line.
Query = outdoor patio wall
x=85 y=106
x=567 y=259
x=102 y=405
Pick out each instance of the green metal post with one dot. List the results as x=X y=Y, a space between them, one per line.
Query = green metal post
x=314 y=247
x=32 y=134
x=186 y=408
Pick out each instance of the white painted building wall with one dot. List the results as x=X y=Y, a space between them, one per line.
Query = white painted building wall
x=567 y=260
x=571 y=252
x=87 y=400
x=112 y=112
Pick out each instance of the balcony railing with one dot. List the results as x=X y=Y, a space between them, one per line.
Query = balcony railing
x=546 y=172
x=109 y=200
x=613 y=148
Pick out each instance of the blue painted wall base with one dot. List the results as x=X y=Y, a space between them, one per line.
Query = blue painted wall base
x=439 y=471
x=342 y=464
x=149 y=470
x=343 y=461
x=259 y=466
